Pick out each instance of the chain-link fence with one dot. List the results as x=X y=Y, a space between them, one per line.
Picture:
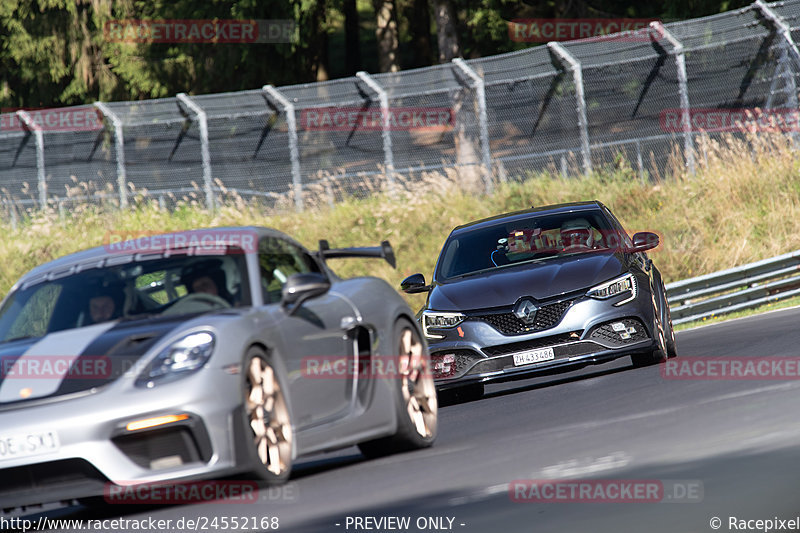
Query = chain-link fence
x=651 y=98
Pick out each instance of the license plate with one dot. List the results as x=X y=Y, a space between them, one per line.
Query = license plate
x=28 y=444
x=533 y=356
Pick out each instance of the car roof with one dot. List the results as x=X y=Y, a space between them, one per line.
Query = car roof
x=102 y=251
x=525 y=213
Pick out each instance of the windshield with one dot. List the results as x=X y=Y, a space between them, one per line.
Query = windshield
x=156 y=286
x=541 y=237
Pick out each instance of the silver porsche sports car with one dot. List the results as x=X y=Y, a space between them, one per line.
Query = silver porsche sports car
x=198 y=355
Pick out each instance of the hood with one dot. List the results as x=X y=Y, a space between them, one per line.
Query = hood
x=75 y=360
x=547 y=279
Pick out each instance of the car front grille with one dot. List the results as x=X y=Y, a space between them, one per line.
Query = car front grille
x=507 y=323
x=542 y=342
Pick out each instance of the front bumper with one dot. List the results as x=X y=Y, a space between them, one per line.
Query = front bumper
x=96 y=450
x=588 y=331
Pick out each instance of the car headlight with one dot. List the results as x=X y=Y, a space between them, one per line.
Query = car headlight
x=623 y=285
x=436 y=320
x=179 y=359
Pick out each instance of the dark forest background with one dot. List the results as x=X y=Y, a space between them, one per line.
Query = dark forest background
x=54 y=52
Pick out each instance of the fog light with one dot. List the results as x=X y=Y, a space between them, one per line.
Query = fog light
x=444 y=365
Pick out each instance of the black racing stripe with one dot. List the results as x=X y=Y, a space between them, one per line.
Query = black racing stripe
x=115 y=352
x=10 y=352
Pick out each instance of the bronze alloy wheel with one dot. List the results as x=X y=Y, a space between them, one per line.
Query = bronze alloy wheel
x=268 y=417
x=416 y=403
x=419 y=391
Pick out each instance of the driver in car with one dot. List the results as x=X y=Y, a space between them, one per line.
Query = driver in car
x=105 y=302
x=206 y=277
x=577 y=234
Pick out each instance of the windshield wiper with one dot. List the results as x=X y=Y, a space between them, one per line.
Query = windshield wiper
x=518 y=263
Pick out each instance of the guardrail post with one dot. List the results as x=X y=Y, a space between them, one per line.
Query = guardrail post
x=388 y=157
x=294 y=154
x=202 y=122
x=38 y=136
x=683 y=92
x=574 y=65
x=119 y=146
x=480 y=95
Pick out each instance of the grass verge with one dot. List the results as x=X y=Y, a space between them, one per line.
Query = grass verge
x=742 y=205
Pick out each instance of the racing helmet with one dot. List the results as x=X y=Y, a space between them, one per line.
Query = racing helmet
x=577 y=232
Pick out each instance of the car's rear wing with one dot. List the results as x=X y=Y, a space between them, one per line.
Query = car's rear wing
x=383 y=251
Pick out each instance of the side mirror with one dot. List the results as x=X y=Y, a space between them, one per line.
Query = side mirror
x=301 y=287
x=413 y=284
x=644 y=240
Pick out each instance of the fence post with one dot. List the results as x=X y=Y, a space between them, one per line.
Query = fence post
x=785 y=71
x=577 y=75
x=32 y=126
x=119 y=146
x=202 y=121
x=683 y=92
x=294 y=154
x=480 y=95
x=780 y=25
x=383 y=98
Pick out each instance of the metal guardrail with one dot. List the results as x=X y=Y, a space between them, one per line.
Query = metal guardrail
x=734 y=289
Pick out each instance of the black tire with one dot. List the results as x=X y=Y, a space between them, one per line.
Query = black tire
x=415 y=398
x=672 y=349
x=266 y=431
x=666 y=317
x=659 y=354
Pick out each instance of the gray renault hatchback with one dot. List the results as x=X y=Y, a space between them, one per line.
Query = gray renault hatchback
x=541 y=290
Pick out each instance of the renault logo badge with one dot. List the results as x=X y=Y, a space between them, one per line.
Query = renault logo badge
x=525 y=310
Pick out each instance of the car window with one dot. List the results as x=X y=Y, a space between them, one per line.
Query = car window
x=624 y=237
x=278 y=259
x=538 y=237
x=152 y=286
x=31 y=315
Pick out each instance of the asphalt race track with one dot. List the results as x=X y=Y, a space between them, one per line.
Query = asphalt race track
x=731 y=447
